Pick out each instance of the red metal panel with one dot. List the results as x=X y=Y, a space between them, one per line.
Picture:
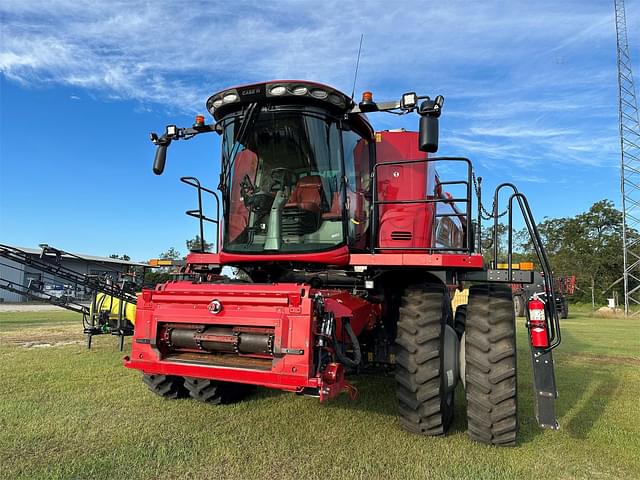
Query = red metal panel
x=361 y=314
x=203 y=258
x=337 y=256
x=285 y=309
x=444 y=260
x=403 y=225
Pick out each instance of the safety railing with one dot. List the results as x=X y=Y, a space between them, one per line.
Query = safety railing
x=553 y=325
x=198 y=213
x=438 y=199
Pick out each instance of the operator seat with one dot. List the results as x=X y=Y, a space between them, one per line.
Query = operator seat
x=306 y=194
x=302 y=213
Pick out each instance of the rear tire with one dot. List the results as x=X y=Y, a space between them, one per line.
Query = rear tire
x=215 y=392
x=460 y=320
x=518 y=305
x=564 y=308
x=490 y=370
x=166 y=386
x=423 y=388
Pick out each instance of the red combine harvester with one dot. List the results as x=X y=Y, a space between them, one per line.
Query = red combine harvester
x=352 y=247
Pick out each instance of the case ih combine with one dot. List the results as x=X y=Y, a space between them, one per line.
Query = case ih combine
x=353 y=246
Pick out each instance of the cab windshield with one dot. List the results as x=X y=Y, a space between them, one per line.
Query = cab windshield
x=282 y=181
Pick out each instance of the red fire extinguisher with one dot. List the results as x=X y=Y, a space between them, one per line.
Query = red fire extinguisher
x=537 y=323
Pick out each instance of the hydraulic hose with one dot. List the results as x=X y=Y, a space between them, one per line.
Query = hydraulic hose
x=357 y=354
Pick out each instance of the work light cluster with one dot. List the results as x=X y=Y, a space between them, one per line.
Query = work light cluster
x=277 y=90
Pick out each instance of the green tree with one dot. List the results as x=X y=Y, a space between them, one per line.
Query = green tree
x=588 y=245
x=487 y=243
x=162 y=274
x=152 y=278
x=193 y=245
x=171 y=254
x=124 y=257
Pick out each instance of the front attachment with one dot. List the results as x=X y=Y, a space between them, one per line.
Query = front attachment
x=217 y=335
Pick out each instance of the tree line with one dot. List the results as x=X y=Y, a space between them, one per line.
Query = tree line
x=588 y=245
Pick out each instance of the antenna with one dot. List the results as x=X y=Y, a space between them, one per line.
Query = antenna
x=355 y=76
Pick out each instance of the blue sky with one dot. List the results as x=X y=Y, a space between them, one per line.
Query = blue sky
x=530 y=88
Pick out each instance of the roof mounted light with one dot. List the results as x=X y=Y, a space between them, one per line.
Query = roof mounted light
x=336 y=100
x=367 y=104
x=278 y=90
x=229 y=98
x=318 y=93
x=409 y=101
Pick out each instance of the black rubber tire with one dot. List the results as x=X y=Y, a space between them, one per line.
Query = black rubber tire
x=460 y=320
x=424 y=406
x=166 y=386
x=215 y=392
x=490 y=365
x=518 y=305
x=564 y=308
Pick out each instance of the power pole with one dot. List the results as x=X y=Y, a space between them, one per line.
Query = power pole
x=629 y=163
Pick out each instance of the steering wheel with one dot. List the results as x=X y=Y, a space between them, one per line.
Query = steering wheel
x=281 y=177
x=247 y=188
x=260 y=202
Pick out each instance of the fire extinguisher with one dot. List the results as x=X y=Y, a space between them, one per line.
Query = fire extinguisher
x=537 y=323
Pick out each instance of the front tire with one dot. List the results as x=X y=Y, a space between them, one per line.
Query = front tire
x=424 y=384
x=518 y=305
x=490 y=370
x=167 y=386
x=215 y=392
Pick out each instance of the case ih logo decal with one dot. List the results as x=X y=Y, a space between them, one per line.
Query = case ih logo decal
x=215 y=307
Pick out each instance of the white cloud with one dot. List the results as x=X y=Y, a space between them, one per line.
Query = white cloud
x=519 y=77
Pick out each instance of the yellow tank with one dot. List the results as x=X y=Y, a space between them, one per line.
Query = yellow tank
x=460 y=297
x=107 y=303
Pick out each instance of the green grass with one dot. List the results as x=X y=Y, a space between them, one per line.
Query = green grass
x=66 y=412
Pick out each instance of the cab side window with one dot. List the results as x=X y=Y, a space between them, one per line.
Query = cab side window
x=357 y=162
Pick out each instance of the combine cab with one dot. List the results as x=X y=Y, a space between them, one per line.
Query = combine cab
x=352 y=246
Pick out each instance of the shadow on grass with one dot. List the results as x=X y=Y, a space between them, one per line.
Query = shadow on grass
x=587 y=384
x=592 y=407
x=585 y=390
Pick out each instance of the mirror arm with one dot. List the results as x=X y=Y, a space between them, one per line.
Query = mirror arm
x=173 y=133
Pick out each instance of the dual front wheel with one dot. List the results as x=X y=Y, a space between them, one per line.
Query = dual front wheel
x=209 y=391
x=425 y=369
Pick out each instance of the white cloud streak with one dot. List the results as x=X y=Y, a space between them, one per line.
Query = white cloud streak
x=519 y=76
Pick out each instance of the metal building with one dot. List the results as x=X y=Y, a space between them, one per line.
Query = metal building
x=81 y=263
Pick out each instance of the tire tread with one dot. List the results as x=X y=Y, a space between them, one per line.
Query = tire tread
x=492 y=412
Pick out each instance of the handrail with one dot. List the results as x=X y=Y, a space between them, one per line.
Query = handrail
x=468 y=246
x=553 y=326
x=194 y=182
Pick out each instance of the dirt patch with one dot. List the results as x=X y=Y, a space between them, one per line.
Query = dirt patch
x=605 y=359
x=54 y=344
x=25 y=307
x=43 y=335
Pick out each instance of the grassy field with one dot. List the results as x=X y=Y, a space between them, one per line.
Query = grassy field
x=66 y=412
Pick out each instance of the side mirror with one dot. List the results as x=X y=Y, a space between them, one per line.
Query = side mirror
x=428 y=136
x=161 y=152
x=429 y=112
x=160 y=160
